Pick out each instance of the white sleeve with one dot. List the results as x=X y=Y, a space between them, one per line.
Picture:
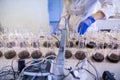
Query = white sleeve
x=107 y=7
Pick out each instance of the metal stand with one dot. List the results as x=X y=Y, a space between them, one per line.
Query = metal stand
x=60 y=61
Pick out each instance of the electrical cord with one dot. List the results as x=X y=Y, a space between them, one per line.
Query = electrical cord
x=97 y=76
x=56 y=38
x=91 y=73
x=33 y=78
x=5 y=72
x=79 y=68
x=13 y=69
x=78 y=63
x=44 y=59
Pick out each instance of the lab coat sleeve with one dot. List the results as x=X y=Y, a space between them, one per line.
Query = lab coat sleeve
x=107 y=7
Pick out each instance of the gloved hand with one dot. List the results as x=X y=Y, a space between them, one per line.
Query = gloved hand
x=83 y=26
x=56 y=31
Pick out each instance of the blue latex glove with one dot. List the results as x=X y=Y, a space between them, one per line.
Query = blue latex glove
x=83 y=26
